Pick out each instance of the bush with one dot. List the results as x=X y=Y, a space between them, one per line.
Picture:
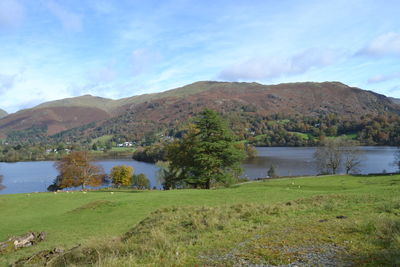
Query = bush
x=272 y=172
x=140 y=181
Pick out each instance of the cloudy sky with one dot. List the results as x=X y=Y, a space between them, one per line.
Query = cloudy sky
x=51 y=49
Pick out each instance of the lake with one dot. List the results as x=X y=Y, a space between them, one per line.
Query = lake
x=294 y=161
x=26 y=177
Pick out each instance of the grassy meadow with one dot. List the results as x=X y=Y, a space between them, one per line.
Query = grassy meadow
x=325 y=221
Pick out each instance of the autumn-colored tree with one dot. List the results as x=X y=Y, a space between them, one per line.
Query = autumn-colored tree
x=121 y=175
x=76 y=169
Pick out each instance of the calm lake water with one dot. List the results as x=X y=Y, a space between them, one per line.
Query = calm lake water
x=26 y=177
x=295 y=161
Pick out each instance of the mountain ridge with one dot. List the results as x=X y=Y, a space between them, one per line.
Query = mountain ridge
x=175 y=105
x=3 y=113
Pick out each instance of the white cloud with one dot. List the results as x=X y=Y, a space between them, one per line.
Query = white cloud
x=384 y=77
x=384 y=45
x=70 y=20
x=265 y=68
x=12 y=13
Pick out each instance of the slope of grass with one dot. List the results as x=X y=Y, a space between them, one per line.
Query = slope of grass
x=278 y=222
x=80 y=101
x=302 y=135
x=102 y=139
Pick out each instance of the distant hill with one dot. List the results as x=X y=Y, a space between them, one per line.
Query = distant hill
x=395 y=100
x=88 y=101
x=142 y=114
x=52 y=119
x=3 y=113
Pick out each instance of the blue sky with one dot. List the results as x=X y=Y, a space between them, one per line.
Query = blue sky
x=51 y=49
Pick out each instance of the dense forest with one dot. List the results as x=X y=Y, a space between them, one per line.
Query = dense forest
x=275 y=130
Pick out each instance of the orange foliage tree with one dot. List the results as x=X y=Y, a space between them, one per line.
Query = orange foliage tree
x=76 y=169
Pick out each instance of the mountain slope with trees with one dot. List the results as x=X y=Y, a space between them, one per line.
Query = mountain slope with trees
x=248 y=107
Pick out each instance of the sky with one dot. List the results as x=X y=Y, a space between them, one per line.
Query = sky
x=52 y=49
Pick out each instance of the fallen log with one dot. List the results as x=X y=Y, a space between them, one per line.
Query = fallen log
x=23 y=241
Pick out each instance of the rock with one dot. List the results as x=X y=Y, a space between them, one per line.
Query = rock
x=26 y=240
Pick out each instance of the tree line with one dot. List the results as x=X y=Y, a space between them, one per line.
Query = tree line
x=270 y=130
x=77 y=169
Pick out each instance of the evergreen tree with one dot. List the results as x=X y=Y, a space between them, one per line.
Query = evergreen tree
x=1 y=181
x=206 y=153
x=272 y=172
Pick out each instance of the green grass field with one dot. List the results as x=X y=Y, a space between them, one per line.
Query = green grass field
x=278 y=221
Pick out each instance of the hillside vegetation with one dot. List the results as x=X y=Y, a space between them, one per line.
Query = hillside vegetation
x=325 y=221
x=138 y=116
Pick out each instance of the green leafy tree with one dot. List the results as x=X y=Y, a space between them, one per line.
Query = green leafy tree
x=121 y=175
x=94 y=146
x=207 y=153
x=140 y=181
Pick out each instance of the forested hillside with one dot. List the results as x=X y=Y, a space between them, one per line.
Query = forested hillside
x=295 y=114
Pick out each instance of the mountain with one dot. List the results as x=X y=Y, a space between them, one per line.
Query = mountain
x=87 y=101
x=139 y=115
x=60 y=115
x=3 y=113
x=395 y=100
